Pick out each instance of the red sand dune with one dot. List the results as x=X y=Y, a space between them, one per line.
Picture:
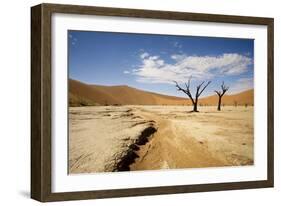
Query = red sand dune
x=81 y=94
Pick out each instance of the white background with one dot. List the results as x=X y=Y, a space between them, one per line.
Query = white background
x=15 y=102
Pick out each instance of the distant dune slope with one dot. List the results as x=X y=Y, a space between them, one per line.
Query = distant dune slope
x=246 y=97
x=81 y=94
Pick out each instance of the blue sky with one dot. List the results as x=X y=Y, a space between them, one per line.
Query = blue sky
x=152 y=62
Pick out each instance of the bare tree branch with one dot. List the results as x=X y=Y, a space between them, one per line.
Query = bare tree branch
x=218 y=93
x=188 y=93
x=204 y=87
x=187 y=87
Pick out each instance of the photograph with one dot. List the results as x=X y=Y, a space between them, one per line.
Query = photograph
x=150 y=102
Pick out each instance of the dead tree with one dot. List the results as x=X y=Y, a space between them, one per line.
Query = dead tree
x=199 y=91
x=220 y=94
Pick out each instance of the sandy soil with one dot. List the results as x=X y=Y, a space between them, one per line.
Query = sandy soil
x=101 y=138
x=107 y=138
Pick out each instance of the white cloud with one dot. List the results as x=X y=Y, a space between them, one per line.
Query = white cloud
x=73 y=40
x=155 y=70
x=126 y=72
x=241 y=84
x=177 y=45
x=144 y=55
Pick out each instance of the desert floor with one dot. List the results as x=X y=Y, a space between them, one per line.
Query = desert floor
x=118 y=138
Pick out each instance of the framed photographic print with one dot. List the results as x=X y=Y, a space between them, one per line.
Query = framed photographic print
x=130 y=102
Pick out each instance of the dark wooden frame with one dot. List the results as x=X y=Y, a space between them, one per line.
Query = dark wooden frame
x=41 y=101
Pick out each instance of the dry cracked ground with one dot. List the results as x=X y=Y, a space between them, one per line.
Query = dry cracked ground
x=122 y=138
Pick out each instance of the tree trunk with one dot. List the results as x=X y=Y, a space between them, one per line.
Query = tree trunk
x=219 y=104
x=195 y=105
